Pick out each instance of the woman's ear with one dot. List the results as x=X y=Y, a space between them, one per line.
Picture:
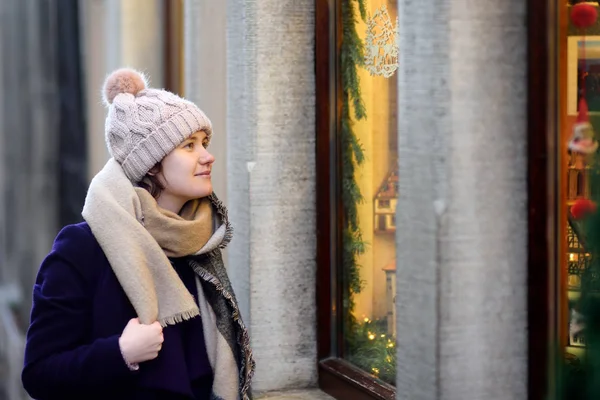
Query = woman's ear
x=154 y=170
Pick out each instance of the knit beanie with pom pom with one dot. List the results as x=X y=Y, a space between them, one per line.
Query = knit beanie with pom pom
x=145 y=124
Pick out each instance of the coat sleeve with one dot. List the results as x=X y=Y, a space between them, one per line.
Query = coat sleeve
x=59 y=358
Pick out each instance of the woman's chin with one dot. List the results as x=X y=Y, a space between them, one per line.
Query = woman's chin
x=206 y=191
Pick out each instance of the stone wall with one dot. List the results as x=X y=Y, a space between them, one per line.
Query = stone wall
x=462 y=223
x=271 y=183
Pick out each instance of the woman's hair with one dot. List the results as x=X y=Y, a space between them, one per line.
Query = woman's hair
x=151 y=183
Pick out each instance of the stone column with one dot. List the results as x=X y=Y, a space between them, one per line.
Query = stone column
x=271 y=183
x=461 y=293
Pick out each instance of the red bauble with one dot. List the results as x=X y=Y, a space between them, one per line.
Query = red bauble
x=583 y=15
x=582 y=208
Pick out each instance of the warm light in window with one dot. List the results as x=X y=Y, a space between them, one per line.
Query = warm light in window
x=571 y=256
x=371 y=336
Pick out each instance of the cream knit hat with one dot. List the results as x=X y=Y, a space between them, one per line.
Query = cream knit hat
x=144 y=124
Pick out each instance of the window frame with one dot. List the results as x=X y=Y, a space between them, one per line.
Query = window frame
x=542 y=197
x=337 y=377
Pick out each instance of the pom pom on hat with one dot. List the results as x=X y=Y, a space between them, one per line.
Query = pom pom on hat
x=124 y=80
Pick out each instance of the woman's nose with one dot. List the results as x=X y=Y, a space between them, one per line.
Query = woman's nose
x=206 y=157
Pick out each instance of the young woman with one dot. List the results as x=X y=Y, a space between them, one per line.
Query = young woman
x=135 y=303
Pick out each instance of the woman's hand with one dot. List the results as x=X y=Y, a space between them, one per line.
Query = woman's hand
x=140 y=342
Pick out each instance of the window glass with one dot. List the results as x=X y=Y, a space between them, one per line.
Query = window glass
x=370 y=191
x=579 y=115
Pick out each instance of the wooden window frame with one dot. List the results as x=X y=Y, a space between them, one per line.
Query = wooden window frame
x=542 y=193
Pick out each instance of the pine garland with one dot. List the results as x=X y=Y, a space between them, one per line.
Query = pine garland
x=374 y=350
x=352 y=154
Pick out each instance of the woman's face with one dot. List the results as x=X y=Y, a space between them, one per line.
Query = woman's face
x=186 y=173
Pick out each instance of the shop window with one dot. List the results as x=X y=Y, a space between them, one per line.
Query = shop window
x=576 y=87
x=357 y=146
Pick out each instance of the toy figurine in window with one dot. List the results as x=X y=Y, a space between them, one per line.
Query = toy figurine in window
x=583 y=140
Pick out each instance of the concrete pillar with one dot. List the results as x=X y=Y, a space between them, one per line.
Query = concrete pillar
x=271 y=183
x=117 y=33
x=461 y=243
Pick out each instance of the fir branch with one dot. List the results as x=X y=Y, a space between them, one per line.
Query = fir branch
x=352 y=57
x=363 y=9
x=352 y=152
x=372 y=349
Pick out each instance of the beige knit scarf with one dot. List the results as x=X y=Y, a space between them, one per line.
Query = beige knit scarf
x=178 y=235
x=137 y=237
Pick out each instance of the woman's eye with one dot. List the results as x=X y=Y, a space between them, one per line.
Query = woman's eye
x=190 y=146
x=205 y=143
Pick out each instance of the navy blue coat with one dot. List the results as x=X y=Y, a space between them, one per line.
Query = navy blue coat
x=79 y=311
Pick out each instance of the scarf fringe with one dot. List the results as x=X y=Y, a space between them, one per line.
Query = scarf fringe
x=180 y=317
x=247 y=367
x=222 y=212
